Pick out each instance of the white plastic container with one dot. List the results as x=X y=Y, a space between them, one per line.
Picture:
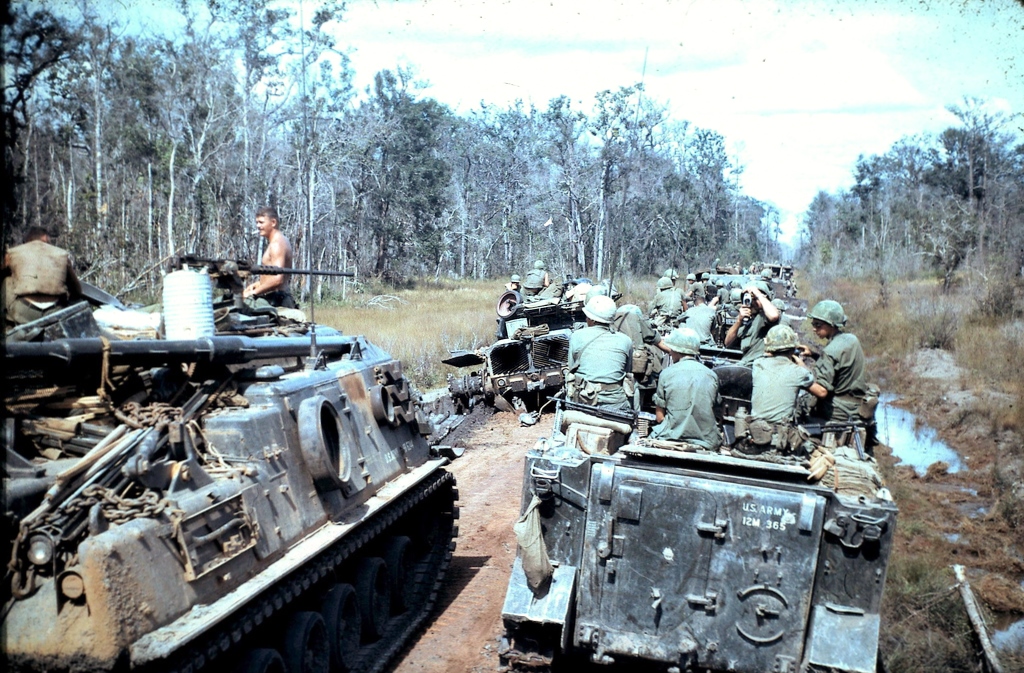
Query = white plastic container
x=188 y=305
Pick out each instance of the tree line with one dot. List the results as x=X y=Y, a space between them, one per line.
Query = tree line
x=934 y=202
x=138 y=146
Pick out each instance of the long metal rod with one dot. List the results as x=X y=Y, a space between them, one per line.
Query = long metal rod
x=69 y=353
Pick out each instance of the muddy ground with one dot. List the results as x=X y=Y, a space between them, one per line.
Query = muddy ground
x=946 y=517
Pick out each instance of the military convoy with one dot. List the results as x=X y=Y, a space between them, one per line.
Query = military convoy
x=275 y=503
x=279 y=503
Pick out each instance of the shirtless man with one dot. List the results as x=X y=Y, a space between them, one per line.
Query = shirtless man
x=273 y=289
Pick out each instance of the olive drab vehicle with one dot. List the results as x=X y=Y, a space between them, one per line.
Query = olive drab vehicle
x=272 y=503
x=677 y=559
x=528 y=361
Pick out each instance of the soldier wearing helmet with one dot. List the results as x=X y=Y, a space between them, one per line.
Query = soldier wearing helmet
x=700 y=317
x=672 y=274
x=648 y=347
x=667 y=305
x=840 y=377
x=779 y=376
x=757 y=315
x=687 y=391
x=697 y=288
x=536 y=279
x=514 y=284
x=599 y=358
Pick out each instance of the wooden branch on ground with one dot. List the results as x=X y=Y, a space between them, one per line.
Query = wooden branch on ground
x=977 y=621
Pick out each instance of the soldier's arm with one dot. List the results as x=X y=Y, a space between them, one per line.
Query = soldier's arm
x=276 y=255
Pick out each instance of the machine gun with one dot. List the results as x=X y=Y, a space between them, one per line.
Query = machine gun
x=640 y=420
x=230 y=274
x=817 y=430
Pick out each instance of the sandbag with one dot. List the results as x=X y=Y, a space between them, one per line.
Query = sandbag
x=534 y=555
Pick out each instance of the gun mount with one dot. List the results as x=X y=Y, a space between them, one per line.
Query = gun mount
x=190 y=505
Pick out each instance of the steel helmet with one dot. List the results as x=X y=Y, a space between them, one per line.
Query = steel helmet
x=780 y=338
x=735 y=295
x=597 y=291
x=828 y=311
x=600 y=309
x=691 y=277
x=664 y=283
x=629 y=308
x=516 y=279
x=720 y=282
x=683 y=340
x=766 y=273
x=539 y=264
x=671 y=273
x=779 y=304
x=705 y=275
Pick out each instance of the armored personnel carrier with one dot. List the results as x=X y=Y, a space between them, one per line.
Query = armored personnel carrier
x=676 y=558
x=226 y=501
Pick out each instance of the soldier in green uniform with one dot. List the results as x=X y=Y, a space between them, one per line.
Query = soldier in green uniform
x=38 y=279
x=757 y=315
x=687 y=391
x=697 y=288
x=699 y=317
x=536 y=279
x=514 y=284
x=779 y=376
x=723 y=292
x=840 y=379
x=648 y=347
x=672 y=275
x=667 y=305
x=599 y=358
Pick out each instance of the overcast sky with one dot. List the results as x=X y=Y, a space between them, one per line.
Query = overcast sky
x=798 y=88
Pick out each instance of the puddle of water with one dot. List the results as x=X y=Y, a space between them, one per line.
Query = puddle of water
x=915 y=444
x=952 y=537
x=1010 y=639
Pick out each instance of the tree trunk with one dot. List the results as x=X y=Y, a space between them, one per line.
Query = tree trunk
x=170 y=201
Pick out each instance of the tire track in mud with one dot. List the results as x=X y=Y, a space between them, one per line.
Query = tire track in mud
x=465 y=631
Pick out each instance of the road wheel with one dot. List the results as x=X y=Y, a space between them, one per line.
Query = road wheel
x=398 y=557
x=374 y=596
x=340 y=611
x=306 y=649
x=262 y=660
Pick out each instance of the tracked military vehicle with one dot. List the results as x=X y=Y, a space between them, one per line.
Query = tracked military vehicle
x=678 y=559
x=197 y=505
x=527 y=363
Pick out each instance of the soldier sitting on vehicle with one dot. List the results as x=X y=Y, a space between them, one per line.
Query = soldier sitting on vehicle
x=599 y=359
x=667 y=305
x=756 y=316
x=779 y=376
x=686 y=394
x=841 y=385
x=700 y=318
x=648 y=347
x=514 y=284
x=536 y=279
x=38 y=279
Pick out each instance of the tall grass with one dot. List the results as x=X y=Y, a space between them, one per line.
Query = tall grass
x=420 y=325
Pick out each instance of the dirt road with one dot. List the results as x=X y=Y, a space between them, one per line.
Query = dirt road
x=465 y=632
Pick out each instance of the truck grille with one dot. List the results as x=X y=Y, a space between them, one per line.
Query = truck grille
x=549 y=352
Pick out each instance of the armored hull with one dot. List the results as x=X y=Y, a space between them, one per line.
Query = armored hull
x=185 y=506
x=692 y=560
